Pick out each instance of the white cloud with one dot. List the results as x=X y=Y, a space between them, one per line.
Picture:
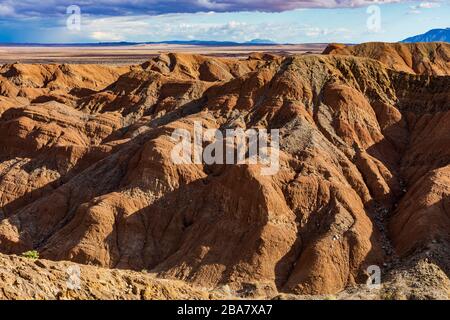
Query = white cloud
x=6 y=10
x=106 y=36
x=416 y=9
x=172 y=27
x=211 y=5
x=115 y=8
x=429 y=5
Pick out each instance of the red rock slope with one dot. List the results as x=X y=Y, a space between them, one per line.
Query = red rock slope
x=86 y=173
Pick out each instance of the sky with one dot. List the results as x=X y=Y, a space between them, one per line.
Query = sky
x=282 y=21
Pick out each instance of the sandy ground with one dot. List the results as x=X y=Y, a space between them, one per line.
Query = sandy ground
x=136 y=54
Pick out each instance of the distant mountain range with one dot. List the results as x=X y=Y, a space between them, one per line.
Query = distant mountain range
x=254 y=42
x=435 y=35
x=442 y=35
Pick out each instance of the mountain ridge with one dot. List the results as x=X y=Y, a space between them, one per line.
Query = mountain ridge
x=254 y=42
x=434 y=35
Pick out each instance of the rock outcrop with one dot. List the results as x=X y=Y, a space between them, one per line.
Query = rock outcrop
x=25 y=279
x=38 y=279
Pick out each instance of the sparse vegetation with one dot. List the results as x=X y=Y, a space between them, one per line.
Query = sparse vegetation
x=388 y=295
x=32 y=254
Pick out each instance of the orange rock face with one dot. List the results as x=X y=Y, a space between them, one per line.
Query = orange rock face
x=86 y=172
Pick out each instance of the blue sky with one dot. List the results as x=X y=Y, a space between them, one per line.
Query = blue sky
x=284 y=21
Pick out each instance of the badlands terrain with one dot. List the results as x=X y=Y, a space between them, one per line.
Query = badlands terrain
x=137 y=54
x=87 y=179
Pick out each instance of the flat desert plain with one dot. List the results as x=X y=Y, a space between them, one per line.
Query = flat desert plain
x=123 y=55
x=354 y=204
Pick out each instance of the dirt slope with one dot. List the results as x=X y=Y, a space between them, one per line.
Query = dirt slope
x=86 y=173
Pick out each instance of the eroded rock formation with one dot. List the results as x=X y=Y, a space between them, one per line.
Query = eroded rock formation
x=86 y=173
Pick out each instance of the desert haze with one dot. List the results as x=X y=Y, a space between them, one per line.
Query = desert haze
x=87 y=179
x=137 y=54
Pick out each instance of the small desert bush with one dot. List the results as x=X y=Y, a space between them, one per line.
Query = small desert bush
x=32 y=254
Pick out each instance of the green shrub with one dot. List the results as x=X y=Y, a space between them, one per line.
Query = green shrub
x=32 y=254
